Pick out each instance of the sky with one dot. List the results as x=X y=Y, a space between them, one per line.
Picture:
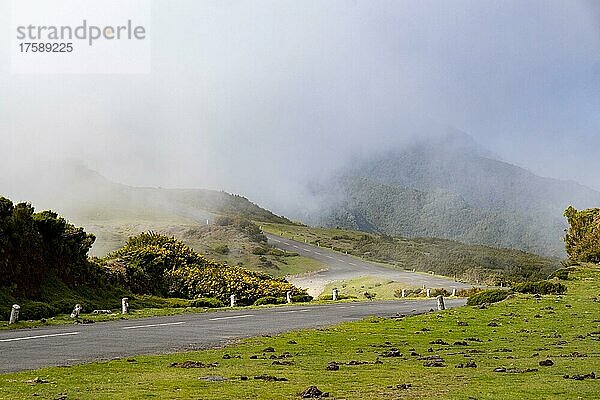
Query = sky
x=259 y=97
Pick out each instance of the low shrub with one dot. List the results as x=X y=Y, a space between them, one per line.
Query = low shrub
x=269 y=300
x=149 y=301
x=33 y=310
x=540 y=287
x=487 y=296
x=209 y=302
x=302 y=298
x=221 y=249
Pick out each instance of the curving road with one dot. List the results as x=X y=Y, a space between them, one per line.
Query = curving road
x=73 y=344
x=342 y=267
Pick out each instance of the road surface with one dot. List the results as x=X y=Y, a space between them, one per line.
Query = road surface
x=342 y=267
x=73 y=344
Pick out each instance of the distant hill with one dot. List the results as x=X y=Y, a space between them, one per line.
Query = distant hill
x=450 y=187
x=112 y=211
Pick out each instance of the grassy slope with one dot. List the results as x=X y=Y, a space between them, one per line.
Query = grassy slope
x=529 y=330
x=113 y=233
x=473 y=263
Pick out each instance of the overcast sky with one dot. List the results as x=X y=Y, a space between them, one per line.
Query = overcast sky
x=256 y=96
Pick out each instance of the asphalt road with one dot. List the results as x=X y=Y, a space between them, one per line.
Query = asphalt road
x=342 y=267
x=74 y=344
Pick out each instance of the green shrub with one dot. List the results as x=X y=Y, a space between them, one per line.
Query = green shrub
x=269 y=300
x=302 y=298
x=32 y=310
x=221 y=249
x=540 y=287
x=149 y=301
x=209 y=302
x=487 y=296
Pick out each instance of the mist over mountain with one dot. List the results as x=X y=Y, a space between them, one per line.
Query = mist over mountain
x=449 y=186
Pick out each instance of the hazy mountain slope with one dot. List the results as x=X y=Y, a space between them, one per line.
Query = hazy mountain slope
x=451 y=188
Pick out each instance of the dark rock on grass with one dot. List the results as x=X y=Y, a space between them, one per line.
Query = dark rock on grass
x=431 y=358
x=254 y=357
x=229 y=356
x=277 y=362
x=243 y=378
x=313 y=392
x=515 y=370
x=415 y=354
x=474 y=339
x=493 y=324
x=425 y=330
x=430 y=350
x=546 y=363
x=436 y=363
x=462 y=323
x=438 y=341
x=36 y=380
x=193 y=364
x=270 y=378
x=215 y=378
x=269 y=350
x=470 y=364
x=292 y=342
x=392 y=353
x=461 y=343
x=131 y=360
x=402 y=386
x=332 y=366
x=591 y=375
x=354 y=362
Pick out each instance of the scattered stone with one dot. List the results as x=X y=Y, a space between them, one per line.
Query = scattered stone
x=254 y=357
x=414 y=354
x=131 y=360
x=546 y=363
x=354 y=362
x=36 y=380
x=470 y=364
x=591 y=375
x=392 y=353
x=515 y=370
x=537 y=316
x=430 y=350
x=243 y=378
x=193 y=364
x=277 y=362
x=270 y=378
x=493 y=324
x=462 y=323
x=269 y=350
x=312 y=392
x=438 y=341
x=332 y=366
x=215 y=378
x=292 y=342
x=436 y=363
x=402 y=386
x=474 y=339
x=425 y=330
x=359 y=351
x=61 y=396
x=229 y=356
x=461 y=343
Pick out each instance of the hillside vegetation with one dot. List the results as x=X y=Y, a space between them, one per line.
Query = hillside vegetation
x=472 y=263
x=525 y=347
x=450 y=187
x=45 y=268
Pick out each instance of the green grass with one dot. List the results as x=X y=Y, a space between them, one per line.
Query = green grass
x=383 y=289
x=526 y=330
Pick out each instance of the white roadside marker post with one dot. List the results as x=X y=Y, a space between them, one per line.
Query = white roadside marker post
x=454 y=292
x=76 y=311
x=288 y=296
x=232 y=300
x=334 y=295
x=125 y=305
x=428 y=292
x=14 y=314
x=440 y=303
x=403 y=292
